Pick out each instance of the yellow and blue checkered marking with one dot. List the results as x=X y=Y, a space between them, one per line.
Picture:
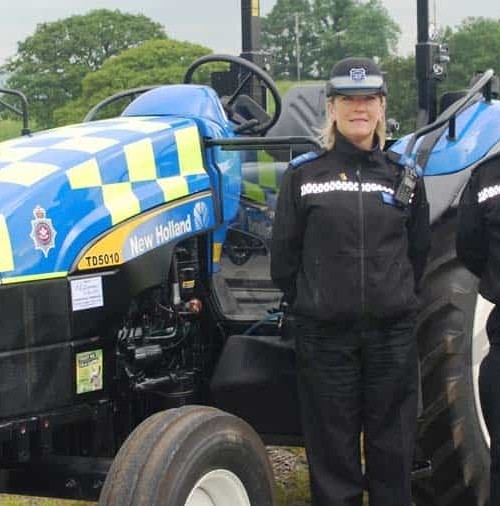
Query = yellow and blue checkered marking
x=89 y=178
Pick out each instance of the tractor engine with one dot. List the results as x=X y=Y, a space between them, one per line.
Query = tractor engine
x=159 y=346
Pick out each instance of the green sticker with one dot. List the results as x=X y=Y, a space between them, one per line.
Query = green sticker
x=89 y=371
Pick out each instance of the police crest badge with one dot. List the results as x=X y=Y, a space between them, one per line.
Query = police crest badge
x=357 y=74
x=43 y=232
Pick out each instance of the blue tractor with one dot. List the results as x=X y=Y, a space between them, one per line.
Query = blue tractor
x=141 y=360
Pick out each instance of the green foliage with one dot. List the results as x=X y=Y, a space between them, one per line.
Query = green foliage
x=329 y=30
x=9 y=129
x=402 y=91
x=351 y=28
x=371 y=32
x=50 y=64
x=474 y=46
x=279 y=37
x=154 y=62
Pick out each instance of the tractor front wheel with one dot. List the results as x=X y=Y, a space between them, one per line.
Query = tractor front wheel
x=190 y=456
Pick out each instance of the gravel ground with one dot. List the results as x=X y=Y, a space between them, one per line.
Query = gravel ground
x=291 y=475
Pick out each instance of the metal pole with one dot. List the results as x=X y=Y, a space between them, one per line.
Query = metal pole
x=423 y=20
x=250 y=28
x=425 y=55
x=297 y=44
x=250 y=46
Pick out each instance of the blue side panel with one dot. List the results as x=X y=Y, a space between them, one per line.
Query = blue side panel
x=61 y=189
x=202 y=105
x=477 y=131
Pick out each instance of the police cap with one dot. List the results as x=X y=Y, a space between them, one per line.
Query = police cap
x=356 y=76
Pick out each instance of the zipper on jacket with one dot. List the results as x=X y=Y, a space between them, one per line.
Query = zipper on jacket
x=362 y=238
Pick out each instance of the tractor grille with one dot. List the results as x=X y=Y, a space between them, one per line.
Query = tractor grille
x=36 y=357
x=33 y=314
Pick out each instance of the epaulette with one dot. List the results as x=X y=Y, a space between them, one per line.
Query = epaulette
x=305 y=157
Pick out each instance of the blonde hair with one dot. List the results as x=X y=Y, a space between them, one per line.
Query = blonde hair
x=327 y=133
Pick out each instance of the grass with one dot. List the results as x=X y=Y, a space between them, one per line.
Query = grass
x=283 y=87
x=292 y=487
x=8 y=130
x=292 y=482
x=17 y=500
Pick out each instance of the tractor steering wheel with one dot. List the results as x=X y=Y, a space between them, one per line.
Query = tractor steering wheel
x=254 y=120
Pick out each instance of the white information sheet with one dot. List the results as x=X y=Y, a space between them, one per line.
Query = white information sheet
x=86 y=293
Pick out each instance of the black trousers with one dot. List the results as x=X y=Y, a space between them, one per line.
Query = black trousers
x=489 y=376
x=352 y=379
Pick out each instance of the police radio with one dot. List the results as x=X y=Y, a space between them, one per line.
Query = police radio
x=408 y=182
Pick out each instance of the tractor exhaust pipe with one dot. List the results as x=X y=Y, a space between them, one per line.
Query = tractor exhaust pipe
x=250 y=29
x=431 y=63
x=425 y=51
x=250 y=45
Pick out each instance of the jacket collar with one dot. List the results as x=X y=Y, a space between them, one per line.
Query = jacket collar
x=343 y=145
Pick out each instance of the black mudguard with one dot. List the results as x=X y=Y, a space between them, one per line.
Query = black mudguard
x=256 y=379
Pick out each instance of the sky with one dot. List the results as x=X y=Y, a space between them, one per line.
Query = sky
x=215 y=24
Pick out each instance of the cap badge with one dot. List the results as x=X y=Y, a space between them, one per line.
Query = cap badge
x=42 y=231
x=357 y=74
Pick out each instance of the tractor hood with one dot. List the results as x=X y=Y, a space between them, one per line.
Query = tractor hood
x=62 y=189
x=477 y=133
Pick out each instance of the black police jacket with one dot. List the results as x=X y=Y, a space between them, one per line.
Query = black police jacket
x=478 y=234
x=342 y=249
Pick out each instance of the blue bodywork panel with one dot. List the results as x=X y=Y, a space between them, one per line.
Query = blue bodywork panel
x=477 y=131
x=62 y=190
x=202 y=104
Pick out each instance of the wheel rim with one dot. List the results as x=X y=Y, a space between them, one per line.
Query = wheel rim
x=218 y=488
x=480 y=347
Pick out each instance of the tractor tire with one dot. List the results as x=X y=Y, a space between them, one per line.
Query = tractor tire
x=452 y=342
x=190 y=456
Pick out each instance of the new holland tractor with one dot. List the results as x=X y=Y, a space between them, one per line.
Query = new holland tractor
x=141 y=358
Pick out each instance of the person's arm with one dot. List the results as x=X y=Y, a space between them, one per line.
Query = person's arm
x=419 y=232
x=472 y=243
x=286 y=244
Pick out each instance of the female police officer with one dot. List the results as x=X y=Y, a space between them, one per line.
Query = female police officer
x=478 y=247
x=347 y=257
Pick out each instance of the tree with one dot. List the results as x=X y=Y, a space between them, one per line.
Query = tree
x=280 y=38
x=332 y=29
x=371 y=32
x=351 y=28
x=474 y=46
x=154 y=62
x=50 y=64
x=331 y=21
x=402 y=91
